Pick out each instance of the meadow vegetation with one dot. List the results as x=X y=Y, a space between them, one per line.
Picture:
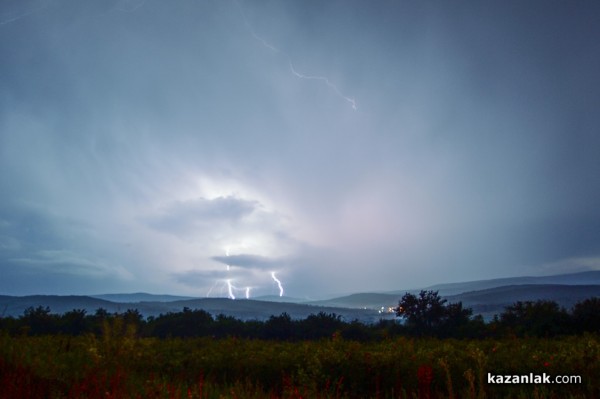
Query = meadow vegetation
x=190 y=354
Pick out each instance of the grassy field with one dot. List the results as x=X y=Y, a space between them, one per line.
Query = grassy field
x=120 y=365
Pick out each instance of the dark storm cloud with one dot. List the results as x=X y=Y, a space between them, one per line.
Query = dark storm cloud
x=61 y=262
x=250 y=261
x=139 y=138
x=185 y=217
x=199 y=276
x=30 y=277
x=34 y=235
x=207 y=278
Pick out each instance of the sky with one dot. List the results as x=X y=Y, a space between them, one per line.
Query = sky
x=214 y=148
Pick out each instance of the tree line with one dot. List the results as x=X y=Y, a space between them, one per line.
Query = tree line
x=425 y=314
x=430 y=315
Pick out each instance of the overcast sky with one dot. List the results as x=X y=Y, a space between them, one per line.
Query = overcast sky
x=208 y=147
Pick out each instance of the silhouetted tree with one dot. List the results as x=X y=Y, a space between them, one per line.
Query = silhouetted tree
x=189 y=323
x=96 y=321
x=321 y=325
x=539 y=318
x=389 y=328
x=429 y=314
x=357 y=331
x=456 y=320
x=279 y=327
x=133 y=317
x=586 y=315
x=423 y=313
x=225 y=326
x=39 y=320
x=74 y=322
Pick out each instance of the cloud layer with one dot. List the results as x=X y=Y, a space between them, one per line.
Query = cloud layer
x=173 y=146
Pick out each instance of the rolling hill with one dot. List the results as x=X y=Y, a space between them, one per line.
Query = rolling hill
x=486 y=297
x=361 y=301
x=493 y=301
x=582 y=278
x=243 y=309
x=140 y=297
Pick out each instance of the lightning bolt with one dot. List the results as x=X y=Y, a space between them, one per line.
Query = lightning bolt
x=212 y=288
x=278 y=283
x=247 y=292
x=260 y=39
x=326 y=81
x=293 y=70
x=24 y=15
x=230 y=288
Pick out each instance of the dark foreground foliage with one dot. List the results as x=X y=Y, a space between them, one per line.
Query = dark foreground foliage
x=119 y=364
x=429 y=315
x=426 y=314
x=439 y=351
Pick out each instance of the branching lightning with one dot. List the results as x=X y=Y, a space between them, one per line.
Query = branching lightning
x=23 y=15
x=293 y=70
x=230 y=289
x=278 y=283
x=260 y=39
x=326 y=81
x=212 y=288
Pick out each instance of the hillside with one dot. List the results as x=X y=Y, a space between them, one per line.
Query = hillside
x=486 y=302
x=493 y=301
x=243 y=309
x=361 y=301
x=486 y=297
x=140 y=297
x=582 y=278
x=15 y=305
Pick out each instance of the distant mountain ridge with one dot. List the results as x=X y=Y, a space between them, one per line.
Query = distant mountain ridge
x=15 y=305
x=277 y=298
x=486 y=289
x=361 y=301
x=486 y=297
x=140 y=297
x=494 y=300
x=486 y=302
x=581 y=278
x=244 y=309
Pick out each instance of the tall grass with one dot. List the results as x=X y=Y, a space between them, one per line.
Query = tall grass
x=119 y=365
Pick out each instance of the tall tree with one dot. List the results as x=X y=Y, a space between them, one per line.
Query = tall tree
x=428 y=313
x=423 y=312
